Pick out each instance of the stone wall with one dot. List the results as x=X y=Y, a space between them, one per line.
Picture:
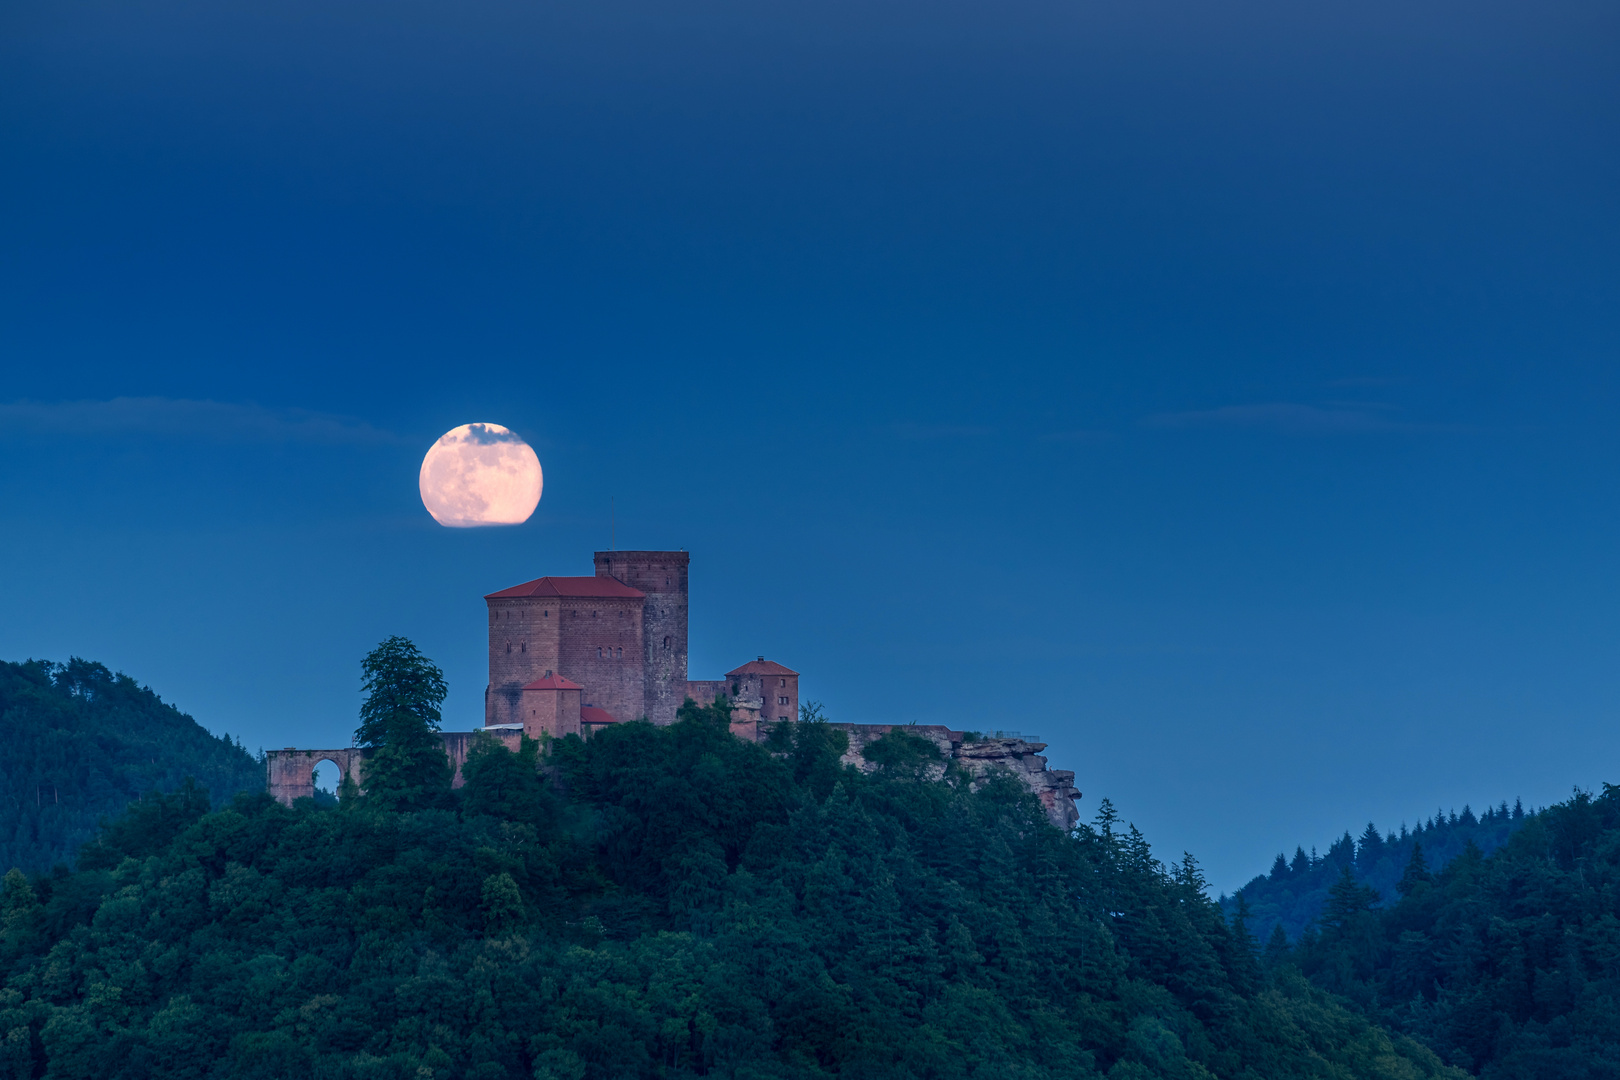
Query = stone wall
x=289 y=773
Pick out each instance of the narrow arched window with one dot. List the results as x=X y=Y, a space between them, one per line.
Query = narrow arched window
x=620 y=654
x=599 y=652
x=666 y=641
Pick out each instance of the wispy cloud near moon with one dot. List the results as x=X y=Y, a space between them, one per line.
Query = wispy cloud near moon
x=215 y=421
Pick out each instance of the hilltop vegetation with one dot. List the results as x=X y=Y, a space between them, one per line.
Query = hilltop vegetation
x=1508 y=964
x=1296 y=891
x=655 y=902
x=78 y=743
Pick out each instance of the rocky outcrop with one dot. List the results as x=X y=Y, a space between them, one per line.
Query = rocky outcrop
x=980 y=757
x=1053 y=787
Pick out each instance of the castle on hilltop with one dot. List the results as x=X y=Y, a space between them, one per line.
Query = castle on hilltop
x=568 y=655
x=572 y=655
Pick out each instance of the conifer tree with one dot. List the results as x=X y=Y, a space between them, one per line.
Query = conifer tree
x=1276 y=947
x=1346 y=900
x=1417 y=870
x=399 y=720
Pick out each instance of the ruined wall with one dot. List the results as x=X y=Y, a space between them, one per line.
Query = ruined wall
x=662 y=575
x=290 y=774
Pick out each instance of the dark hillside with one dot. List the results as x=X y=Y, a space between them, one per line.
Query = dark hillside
x=1295 y=892
x=77 y=743
x=1507 y=964
x=657 y=902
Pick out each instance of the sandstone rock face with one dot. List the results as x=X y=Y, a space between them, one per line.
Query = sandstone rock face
x=1054 y=787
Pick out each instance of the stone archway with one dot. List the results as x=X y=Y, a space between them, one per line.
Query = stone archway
x=290 y=774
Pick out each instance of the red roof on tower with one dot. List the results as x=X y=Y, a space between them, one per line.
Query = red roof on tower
x=553 y=682
x=566 y=587
x=762 y=666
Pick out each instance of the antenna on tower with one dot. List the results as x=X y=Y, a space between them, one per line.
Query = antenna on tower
x=613 y=523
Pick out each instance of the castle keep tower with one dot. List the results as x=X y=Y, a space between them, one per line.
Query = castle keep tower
x=584 y=629
x=661 y=577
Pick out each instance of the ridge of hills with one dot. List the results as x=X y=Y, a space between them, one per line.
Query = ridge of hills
x=78 y=743
x=671 y=902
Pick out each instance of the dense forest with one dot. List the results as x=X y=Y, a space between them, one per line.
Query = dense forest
x=1296 y=891
x=1508 y=965
x=652 y=902
x=78 y=743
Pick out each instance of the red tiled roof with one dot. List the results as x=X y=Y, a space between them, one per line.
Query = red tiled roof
x=761 y=666
x=553 y=682
x=583 y=587
x=590 y=714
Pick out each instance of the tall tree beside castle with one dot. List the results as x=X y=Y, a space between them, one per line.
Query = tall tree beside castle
x=399 y=723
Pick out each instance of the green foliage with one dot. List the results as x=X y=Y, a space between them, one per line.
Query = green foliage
x=399 y=721
x=655 y=903
x=1508 y=965
x=78 y=743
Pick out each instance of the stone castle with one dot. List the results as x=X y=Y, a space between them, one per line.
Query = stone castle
x=572 y=655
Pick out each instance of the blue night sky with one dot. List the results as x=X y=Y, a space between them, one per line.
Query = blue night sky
x=1224 y=392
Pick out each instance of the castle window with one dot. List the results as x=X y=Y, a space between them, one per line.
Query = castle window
x=599 y=652
x=523 y=647
x=546 y=614
x=593 y=614
x=508 y=646
x=666 y=641
x=781 y=682
x=620 y=654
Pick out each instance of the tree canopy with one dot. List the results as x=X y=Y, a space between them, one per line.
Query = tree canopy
x=655 y=902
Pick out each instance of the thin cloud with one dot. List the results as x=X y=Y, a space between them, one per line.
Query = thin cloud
x=1292 y=417
x=1368 y=380
x=928 y=432
x=214 y=421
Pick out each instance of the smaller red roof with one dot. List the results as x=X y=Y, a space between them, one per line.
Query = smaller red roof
x=761 y=666
x=553 y=682
x=566 y=587
x=590 y=714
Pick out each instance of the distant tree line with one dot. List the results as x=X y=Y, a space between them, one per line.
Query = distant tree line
x=1295 y=893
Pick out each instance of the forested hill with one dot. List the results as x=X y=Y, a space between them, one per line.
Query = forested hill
x=652 y=903
x=1508 y=964
x=1295 y=893
x=78 y=742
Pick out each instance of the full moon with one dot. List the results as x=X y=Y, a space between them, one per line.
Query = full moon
x=480 y=474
